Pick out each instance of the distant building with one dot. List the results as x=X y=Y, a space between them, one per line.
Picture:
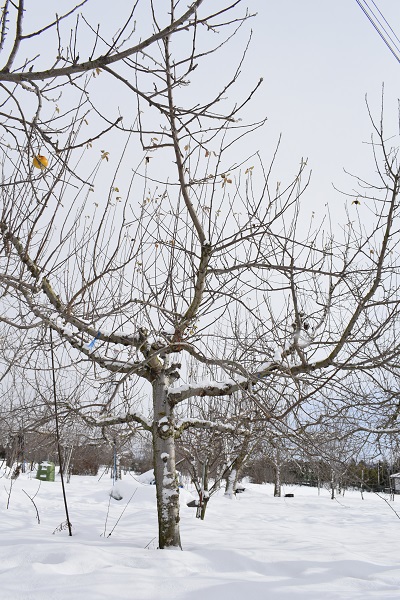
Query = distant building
x=395 y=479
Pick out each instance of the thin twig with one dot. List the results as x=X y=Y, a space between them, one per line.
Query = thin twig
x=36 y=508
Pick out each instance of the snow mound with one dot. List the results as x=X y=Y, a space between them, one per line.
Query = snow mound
x=147 y=477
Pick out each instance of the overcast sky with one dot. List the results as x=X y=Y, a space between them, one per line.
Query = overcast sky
x=319 y=59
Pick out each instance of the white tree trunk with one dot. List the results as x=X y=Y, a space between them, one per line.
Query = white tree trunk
x=278 y=480
x=236 y=469
x=278 y=485
x=117 y=466
x=164 y=466
x=231 y=482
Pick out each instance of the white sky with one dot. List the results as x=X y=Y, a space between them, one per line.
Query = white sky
x=319 y=59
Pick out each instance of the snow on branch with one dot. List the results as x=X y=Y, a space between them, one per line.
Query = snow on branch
x=109 y=420
x=182 y=425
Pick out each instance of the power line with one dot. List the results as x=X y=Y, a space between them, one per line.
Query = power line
x=380 y=29
x=374 y=20
x=385 y=21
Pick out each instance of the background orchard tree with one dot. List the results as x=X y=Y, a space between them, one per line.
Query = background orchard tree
x=143 y=261
x=215 y=449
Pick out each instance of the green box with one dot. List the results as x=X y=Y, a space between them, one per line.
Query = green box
x=46 y=471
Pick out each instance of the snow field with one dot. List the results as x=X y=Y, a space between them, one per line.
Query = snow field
x=253 y=547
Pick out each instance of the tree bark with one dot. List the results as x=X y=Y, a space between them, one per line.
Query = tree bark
x=203 y=492
x=231 y=481
x=278 y=480
x=164 y=466
x=236 y=468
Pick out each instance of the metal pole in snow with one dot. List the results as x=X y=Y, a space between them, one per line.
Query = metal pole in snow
x=58 y=434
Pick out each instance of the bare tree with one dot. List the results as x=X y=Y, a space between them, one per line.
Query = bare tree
x=218 y=451
x=193 y=253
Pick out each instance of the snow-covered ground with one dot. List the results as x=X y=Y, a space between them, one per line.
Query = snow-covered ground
x=250 y=548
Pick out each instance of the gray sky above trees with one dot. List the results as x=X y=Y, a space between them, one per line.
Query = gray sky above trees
x=319 y=60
